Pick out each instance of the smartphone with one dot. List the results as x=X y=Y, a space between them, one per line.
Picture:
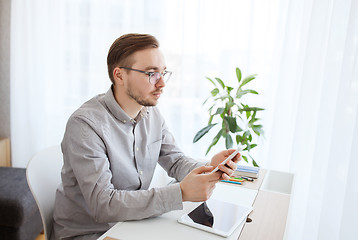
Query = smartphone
x=232 y=155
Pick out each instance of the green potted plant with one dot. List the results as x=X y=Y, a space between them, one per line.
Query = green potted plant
x=235 y=119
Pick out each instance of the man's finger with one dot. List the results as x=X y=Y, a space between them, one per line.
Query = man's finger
x=237 y=158
x=232 y=165
x=203 y=169
x=215 y=176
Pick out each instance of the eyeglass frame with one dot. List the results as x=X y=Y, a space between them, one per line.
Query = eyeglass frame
x=150 y=74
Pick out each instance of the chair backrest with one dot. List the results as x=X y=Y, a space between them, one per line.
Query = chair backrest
x=43 y=175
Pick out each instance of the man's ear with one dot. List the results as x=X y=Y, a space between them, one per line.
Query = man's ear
x=118 y=76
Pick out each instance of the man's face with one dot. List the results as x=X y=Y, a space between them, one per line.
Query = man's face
x=137 y=84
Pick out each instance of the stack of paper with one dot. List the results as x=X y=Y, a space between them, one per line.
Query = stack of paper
x=247 y=171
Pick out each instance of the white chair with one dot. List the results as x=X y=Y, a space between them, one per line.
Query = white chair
x=43 y=175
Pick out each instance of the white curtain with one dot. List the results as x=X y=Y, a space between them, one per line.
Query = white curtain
x=315 y=124
x=304 y=52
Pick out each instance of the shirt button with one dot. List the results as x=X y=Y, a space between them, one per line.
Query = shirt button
x=137 y=148
x=140 y=172
x=124 y=121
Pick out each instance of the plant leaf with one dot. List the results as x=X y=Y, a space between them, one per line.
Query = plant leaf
x=215 y=140
x=210 y=119
x=229 y=105
x=220 y=82
x=211 y=81
x=248 y=147
x=202 y=132
x=219 y=111
x=229 y=89
x=253 y=119
x=231 y=100
x=211 y=108
x=232 y=123
x=245 y=158
x=252 y=146
x=238 y=139
x=257 y=129
x=206 y=100
x=238 y=129
x=246 y=134
x=247 y=80
x=253 y=160
x=254 y=115
x=248 y=114
x=254 y=163
x=246 y=108
x=226 y=96
x=228 y=141
x=238 y=74
x=214 y=92
x=241 y=92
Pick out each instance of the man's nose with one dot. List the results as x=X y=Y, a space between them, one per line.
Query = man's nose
x=160 y=83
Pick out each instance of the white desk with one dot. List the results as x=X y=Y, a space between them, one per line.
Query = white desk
x=269 y=198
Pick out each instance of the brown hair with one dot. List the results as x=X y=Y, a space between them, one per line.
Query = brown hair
x=123 y=47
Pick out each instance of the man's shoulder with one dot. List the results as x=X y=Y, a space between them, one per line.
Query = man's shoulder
x=92 y=110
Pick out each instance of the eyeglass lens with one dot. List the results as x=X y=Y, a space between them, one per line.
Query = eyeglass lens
x=154 y=78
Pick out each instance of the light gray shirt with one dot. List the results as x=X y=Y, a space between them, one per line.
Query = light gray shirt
x=109 y=161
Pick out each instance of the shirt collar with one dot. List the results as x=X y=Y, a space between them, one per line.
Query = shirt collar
x=119 y=113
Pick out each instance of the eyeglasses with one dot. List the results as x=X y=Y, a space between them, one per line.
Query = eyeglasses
x=153 y=76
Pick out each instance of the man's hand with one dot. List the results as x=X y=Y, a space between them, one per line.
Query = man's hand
x=198 y=186
x=227 y=169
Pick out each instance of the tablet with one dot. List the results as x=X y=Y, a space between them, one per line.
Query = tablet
x=217 y=217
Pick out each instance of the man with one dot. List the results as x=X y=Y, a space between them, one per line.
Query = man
x=112 y=144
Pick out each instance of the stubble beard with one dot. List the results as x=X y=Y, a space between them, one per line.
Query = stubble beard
x=139 y=99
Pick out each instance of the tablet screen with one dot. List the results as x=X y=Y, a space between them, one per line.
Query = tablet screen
x=216 y=216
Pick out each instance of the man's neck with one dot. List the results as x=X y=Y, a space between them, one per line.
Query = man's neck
x=130 y=106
